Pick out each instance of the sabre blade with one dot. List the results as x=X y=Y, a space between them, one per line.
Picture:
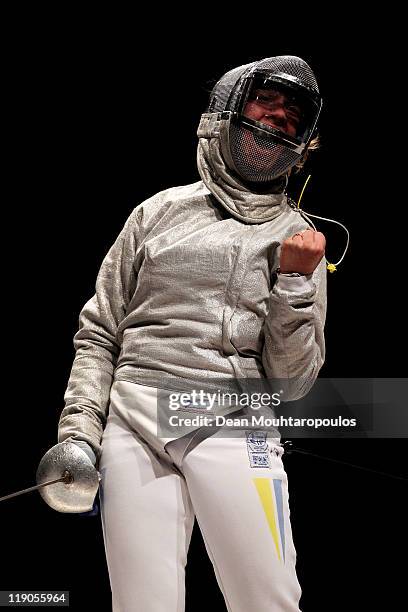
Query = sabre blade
x=67 y=478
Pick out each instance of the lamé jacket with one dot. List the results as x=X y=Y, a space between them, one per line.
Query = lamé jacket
x=188 y=293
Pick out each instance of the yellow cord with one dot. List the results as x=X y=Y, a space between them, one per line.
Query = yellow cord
x=331 y=267
x=304 y=187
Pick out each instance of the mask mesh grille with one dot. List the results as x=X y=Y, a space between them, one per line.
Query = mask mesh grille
x=256 y=157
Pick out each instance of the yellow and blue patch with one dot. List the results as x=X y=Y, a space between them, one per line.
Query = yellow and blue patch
x=272 y=503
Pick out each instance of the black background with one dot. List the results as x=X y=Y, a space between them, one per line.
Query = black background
x=101 y=114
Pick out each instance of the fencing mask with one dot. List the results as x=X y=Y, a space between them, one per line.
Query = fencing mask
x=265 y=114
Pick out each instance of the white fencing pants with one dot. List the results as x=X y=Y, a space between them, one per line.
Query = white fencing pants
x=150 y=497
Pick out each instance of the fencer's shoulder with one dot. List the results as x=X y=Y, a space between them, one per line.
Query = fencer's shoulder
x=163 y=200
x=183 y=192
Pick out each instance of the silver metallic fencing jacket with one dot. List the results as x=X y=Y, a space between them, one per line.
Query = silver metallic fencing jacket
x=188 y=292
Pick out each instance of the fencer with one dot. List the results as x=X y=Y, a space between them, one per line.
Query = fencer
x=218 y=280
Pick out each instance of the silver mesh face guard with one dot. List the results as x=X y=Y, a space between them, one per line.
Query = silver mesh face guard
x=256 y=157
x=261 y=153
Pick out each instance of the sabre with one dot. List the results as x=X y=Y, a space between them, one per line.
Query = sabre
x=67 y=478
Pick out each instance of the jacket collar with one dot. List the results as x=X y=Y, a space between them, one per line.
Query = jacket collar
x=234 y=195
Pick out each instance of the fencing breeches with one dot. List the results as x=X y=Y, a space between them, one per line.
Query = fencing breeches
x=151 y=493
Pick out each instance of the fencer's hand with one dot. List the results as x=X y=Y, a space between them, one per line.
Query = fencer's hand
x=87 y=449
x=302 y=252
x=77 y=492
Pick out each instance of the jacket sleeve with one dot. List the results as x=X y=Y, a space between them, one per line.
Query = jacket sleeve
x=97 y=345
x=294 y=347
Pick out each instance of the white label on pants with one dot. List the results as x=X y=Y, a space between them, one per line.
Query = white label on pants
x=257 y=448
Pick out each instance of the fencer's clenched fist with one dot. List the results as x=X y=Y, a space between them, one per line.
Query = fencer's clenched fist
x=302 y=252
